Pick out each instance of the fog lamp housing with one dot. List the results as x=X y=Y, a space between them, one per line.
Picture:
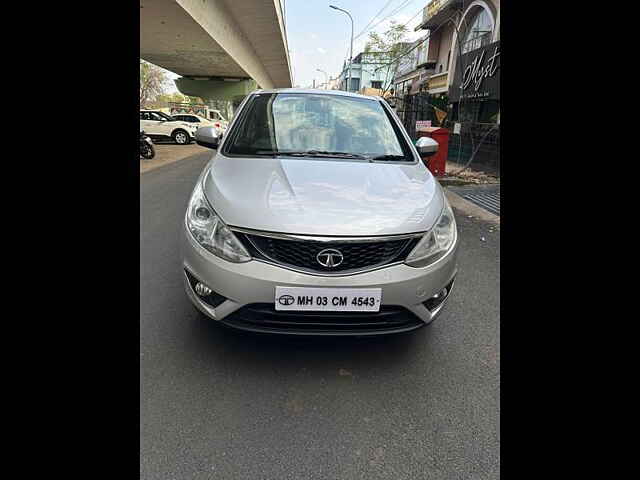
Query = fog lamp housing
x=202 y=290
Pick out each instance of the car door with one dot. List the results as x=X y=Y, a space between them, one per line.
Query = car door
x=160 y=125
x=145 y=123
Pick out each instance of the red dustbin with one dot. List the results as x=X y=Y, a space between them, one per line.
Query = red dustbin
x=438 y=162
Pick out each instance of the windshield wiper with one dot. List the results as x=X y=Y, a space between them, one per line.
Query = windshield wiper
x=388 y=157
x=311 y=153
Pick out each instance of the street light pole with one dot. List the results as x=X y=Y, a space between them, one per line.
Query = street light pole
x=326 y=76
x=351 y=50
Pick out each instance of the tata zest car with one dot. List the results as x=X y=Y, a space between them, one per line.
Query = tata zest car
x=317 y=216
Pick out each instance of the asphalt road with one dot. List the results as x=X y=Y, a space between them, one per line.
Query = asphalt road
x=218 y=404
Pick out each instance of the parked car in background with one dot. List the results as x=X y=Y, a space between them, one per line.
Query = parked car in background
x=318 y=216
x=158 y=125
x=201 y=122
x=200 y=110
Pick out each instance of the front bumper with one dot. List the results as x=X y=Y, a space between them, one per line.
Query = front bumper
x=246 y=294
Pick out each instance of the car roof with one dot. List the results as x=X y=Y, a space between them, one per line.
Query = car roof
x=341 y=93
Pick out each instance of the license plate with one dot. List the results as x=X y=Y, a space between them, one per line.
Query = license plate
x=328 y=299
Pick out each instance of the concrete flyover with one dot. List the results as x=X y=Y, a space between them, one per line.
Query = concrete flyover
x=223 y=49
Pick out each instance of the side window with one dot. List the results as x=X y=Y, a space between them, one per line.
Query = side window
x=194 y=119
x=179 y=117
x=155 y=116
x=144 y=116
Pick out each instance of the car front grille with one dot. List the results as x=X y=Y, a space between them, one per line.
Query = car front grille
x=302 y=254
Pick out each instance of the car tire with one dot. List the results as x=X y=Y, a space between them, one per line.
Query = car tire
x=181 y=137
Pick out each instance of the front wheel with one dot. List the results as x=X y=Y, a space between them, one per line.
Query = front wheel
x=181 y=137
x=147 y=151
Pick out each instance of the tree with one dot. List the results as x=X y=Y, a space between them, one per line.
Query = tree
x=153 y=82
x=390 y=46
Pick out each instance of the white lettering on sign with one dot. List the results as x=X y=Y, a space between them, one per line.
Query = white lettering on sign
x=476 y=72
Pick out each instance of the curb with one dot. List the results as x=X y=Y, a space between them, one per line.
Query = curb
x=458 y=182
x=469 y=208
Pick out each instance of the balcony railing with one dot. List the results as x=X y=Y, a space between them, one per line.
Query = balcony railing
x=478 y=42
x=439 y=80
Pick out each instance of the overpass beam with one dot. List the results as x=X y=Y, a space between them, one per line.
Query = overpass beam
x=216 y=89
x=214 y=17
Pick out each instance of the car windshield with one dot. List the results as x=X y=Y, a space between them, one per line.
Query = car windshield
x=317 y=125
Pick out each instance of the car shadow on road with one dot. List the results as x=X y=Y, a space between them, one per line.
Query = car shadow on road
x=264 y=351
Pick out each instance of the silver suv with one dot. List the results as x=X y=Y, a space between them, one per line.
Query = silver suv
x=318 y=216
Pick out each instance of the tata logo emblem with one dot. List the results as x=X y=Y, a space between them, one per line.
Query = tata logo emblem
x=329 y=257
x=286 y=300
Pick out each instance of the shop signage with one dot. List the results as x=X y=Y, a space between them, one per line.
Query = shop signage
x=477 y=75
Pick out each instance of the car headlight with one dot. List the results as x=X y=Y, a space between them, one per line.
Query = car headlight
x=437 y=242
x=210 y=232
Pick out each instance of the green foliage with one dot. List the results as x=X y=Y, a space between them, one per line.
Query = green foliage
x=153 y=82
x=390 y=41
x=394 y=45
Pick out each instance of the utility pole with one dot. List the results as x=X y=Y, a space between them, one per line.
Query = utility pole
x=326 y=80
x=351 y=50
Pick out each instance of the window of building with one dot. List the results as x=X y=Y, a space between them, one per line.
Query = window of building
x=489 y=111
x=479 y=29
x=376 y=84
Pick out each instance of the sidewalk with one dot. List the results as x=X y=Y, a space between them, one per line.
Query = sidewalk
x=467 y=177
x=168 y=153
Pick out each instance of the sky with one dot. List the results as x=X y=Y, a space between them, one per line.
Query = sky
x=319 y=37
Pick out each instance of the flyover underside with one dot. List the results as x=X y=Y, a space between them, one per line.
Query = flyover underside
x=216 y=89
x=240 y=39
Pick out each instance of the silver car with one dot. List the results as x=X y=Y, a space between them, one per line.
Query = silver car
x=317 y=216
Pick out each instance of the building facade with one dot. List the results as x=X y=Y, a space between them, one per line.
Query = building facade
x=412 y=68
x=459 y=32
x=453 y=80
x=368 y=70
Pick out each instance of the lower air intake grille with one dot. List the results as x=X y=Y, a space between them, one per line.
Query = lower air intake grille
x=265 y=318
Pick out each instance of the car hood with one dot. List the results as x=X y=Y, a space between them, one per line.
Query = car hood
x=323 y=196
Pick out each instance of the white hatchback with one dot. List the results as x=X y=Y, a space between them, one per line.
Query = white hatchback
x=317 y=216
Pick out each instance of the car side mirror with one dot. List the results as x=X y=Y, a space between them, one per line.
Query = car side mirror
x=207 y=137
x=427 y=146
